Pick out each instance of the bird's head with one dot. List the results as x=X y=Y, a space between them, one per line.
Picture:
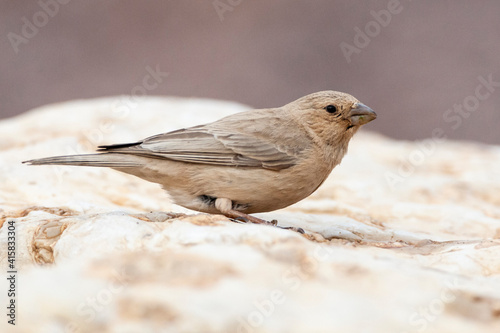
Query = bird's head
x=332 y=115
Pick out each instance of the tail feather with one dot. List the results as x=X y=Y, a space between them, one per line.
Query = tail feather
x=95 y=160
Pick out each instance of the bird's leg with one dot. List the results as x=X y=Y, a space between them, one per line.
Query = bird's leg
x=225 y=206
x=299 y=230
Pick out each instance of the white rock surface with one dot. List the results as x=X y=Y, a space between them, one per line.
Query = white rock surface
x=403 y=236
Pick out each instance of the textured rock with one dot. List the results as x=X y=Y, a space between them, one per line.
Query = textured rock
x=403 y=236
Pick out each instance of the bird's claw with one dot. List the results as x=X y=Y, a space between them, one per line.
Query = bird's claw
x=240 y=219
x=273 y=223
x=299 y=230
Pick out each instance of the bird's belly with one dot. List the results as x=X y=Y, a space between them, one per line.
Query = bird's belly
x=251 y=190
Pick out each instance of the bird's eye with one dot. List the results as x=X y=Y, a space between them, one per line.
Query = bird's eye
x=331 y=109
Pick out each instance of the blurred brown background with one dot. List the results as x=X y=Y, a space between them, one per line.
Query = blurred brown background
x=264 y=53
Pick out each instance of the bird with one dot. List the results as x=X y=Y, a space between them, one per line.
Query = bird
x=249 y=162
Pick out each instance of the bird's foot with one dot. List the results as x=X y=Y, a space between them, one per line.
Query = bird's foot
x=274 y=223
x=242 y=217
x=225 y=206
x=299 y=230
x=239 y=219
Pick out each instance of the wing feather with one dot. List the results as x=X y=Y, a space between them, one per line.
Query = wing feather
x=233 y=142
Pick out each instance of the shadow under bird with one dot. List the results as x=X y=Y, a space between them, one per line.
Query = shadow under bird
x=249 y=162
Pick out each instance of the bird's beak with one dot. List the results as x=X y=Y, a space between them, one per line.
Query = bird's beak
x=361 y=114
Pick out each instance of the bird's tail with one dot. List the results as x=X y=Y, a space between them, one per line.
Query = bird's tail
x=96 y=160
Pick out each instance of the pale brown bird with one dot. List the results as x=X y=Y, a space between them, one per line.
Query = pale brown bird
x=249 y=162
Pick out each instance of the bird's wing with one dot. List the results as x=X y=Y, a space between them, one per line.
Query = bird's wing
x=232 y=142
